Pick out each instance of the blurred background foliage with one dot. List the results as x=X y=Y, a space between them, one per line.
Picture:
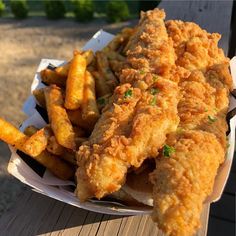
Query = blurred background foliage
x=80 y=10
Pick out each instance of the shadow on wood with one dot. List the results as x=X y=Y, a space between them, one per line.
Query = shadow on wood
x=35 y=213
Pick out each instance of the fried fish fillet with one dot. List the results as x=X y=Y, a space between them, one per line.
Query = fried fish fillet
x=142 y=111
x=196 y=49
x=183 y=181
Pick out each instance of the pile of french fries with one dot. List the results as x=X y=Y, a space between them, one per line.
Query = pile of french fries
x=74 y=96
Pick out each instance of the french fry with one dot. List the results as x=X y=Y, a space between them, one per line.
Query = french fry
x=112 y=55
x=101 y=87
x=114 y=44
x=37 y=143
x=118 y=40
x=66 y=154
x=60 y=123
x=51 y=77
x=76 y=119
x=39 y=96
x=11 y=135
x=79 y=141
x=75 y=83
x=58 y=167
x=89 y=56
x=90 y=111
x=54 y=147
x=14 y=137
x=116 y=66
x=105 y=71
x=79 y=132
x=69 y=157
x=63 y=70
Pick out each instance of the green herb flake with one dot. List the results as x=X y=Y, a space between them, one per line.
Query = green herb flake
x=154 y=78
x=153 y=102
x=228 y=145
x=211 y=119
x=168 y=151
x=141 y=72
x=128 y=93
x=154 y=91
x=101 y=101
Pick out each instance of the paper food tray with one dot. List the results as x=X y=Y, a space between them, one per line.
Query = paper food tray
x=42 y=181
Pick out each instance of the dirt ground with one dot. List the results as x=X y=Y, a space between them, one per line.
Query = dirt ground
x=22 y=45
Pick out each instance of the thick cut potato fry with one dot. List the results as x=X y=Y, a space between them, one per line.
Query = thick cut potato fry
x=66 y=154
x=54 y=147
x=69 y=156
x=79 y=141
x=58 y=167
x=76 y=119
x=89 y=56
x=105 y=71
x=79 y=132
x=37 y=143
x=101 y=87
x=11 y=135
x=39 y=96
x=112 y=55
x=63 y=70
x=51 y=77
x=116 y=66
x=75 y=83
x=60 y=123
x=119 y=40
x=90 y=111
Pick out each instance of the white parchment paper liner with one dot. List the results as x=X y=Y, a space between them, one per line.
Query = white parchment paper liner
x=58 y=189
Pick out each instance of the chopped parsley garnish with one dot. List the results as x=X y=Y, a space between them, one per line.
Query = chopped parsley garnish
x=128 y=93
x=206 y=110
x=228 y=145
x=168 y=151
x=153 y=102
x=141 y=72
x=154 y=91
x=154 y=78
x=211 y=119
x=101 y=101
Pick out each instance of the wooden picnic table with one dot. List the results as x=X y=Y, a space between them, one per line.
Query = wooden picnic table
x=35 y=214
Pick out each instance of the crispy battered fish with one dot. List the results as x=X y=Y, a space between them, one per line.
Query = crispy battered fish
x=143 y=110
x=183 y=181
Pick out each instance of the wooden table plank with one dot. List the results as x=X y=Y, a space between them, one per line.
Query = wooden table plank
x=39 y=215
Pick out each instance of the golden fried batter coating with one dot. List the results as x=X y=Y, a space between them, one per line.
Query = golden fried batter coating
x=143 y=110
x=184 y=180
